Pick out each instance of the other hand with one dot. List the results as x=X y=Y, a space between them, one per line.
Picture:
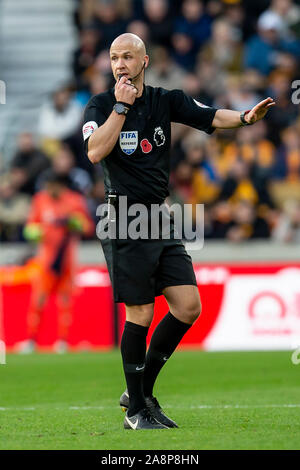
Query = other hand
x=259 y=111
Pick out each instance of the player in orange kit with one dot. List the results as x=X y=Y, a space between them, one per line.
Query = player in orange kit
x=57 y=219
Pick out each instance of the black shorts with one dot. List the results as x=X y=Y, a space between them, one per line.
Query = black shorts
x=140 y=269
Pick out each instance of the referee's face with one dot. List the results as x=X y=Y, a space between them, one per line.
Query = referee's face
x=126 y=59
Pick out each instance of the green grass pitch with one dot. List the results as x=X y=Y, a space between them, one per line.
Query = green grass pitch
x=230 y=400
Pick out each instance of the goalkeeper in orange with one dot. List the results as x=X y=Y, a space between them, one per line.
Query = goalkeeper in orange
x=57 y=219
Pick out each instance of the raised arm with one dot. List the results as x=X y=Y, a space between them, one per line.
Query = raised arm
x=102 y=140
x=228 y=119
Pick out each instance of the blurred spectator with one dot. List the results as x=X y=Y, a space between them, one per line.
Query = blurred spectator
x=288 y=226
x=85 y=12
x=139 y=28
x=181 y=182
x=194 y=22
x=60 y=117
x=96 y=83
x=250 y=146
x=267 y=49
x=58 y=218
x=96 y=198
x=211 y=77
x=14 y=208
x=224 y=47
x=285 y=112
x=193 y=86
x=85 y=55
x=183 y=52
x=287 y=164
x=238 y=185
x=219 y=221
x=240 y=19
x=159 y=20
x=125 y=9
x=108 y=21
x=102 y=66
x=240 y=93
x=255 y=81
x=215 y=8
x=246 y=224
x=64 y=165
x=191 y=30
x=289 y=14
x=27 y=164
x=205 y=184
x=163 y=72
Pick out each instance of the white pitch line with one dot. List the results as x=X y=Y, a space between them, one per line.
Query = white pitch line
x=89 y=407
x=224 y=407
x=192 y=407
x=20 y=408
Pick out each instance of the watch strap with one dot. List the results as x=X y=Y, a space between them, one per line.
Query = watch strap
x=127 y=105
x=242 y=118
x=121 y=108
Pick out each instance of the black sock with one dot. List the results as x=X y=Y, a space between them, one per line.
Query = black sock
x=166 y=337
x=133 y=350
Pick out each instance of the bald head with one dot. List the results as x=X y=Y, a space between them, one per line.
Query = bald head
x=128 y=58
x=129 y=41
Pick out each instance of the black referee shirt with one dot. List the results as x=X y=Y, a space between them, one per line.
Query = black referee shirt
x=139 y=164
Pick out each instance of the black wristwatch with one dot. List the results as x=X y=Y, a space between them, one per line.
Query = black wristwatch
x=243 y=120
x=121 y=108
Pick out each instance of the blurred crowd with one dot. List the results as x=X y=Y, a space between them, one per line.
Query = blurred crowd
x=225 y=53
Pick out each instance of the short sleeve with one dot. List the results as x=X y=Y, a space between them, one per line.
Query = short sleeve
x=93 y=118
x=187 y=110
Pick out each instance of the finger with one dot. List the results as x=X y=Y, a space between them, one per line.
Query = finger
x=267 y=100
x=124 y=86
x=122 y=80
x=263 y=103
x=130 y=84
x=270 y=104
x=128 y=87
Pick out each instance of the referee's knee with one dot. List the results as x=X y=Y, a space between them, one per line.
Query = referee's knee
x=194 y=311
x=140 y=314
x=189 y=312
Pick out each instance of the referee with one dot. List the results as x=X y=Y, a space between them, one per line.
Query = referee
x=128 y=130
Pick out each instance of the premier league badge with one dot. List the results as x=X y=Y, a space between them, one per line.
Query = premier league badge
x=159 y=137
x=128 y=141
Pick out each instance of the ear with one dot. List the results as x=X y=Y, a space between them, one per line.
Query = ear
x=146 y=61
